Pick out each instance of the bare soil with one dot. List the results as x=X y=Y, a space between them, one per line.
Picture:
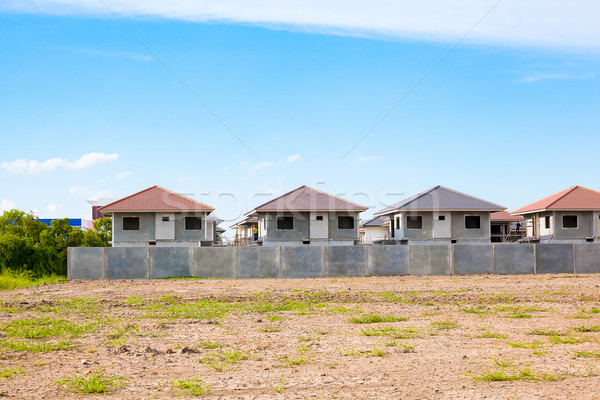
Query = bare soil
x=295 y=339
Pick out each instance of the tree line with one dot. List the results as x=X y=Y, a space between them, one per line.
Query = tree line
x=27 y=244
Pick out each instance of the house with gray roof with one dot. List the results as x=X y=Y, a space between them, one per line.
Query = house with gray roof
x=440 y=215
x=307 y=216
x=375 y=230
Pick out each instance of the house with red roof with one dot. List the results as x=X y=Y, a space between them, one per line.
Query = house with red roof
x=159 y=217
x=307 y=216
x=569 y=216
x=506 y=227
x=440 y=215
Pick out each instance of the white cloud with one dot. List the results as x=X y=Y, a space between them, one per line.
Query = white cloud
x=293 y=158
x=365 y=159
x=53 y=208
x=6 y=205
x=122 y=175
x=85 y=192
x=33 y=167
x=253 y=168
x=545 y=23
x=538 y=77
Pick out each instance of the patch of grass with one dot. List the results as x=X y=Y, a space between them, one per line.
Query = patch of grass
x=274 y=317
x=210 y=345
x=374 y=319
x=322 y=331
x=96 y=381
x=291 y=362
x=592 y=310
x=525 y=345
x=475 y=310
x=191 y=387
x=45 y=327
x=10 y=280
x=223 y=360
x=271 y=328
x=385 y=331
x=504 y=371
x=544 y=332
x=279 y=386
x=569 y=339
x=587 y=354
x=346 y=352
x=595 y=328
x=35 y=347
x=491 y=335
x=9 y=372
x=376 y=352
x=444 y=325
x=519 y=315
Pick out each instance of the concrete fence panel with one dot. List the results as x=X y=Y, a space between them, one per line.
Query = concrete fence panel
x=86 y=263
x=587 y=258
x=126 y=263
x=302 y=262
x=345 y=261
x=214 y=262
x=258 y=262
x=473 y=259
x=170 y=262
x=435 y=259
x=554 y=258
x=387 y=260
x=514 y=259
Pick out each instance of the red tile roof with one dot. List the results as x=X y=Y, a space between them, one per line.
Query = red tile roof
x=504 y=216
x=573 y=198
x=306 y=198
x=155 y=198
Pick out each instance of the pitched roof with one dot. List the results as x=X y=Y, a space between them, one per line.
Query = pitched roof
x=246 y=221
x=376 y=221
x=504 y=216
x=155 y=198
x=441 y=198
x=306 y=198
x=573 y=198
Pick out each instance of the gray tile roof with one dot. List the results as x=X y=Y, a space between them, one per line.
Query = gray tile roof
x=306 y=198
x=441 y=198
x=376 y=221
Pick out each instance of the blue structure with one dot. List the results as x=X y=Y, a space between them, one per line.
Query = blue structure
x=74 y=222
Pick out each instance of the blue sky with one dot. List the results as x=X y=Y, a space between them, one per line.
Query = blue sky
x=238 y=104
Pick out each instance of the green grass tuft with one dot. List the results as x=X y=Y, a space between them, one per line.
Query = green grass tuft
x=12 y=280
x=374 y=319
x=192 y=387
x=92 y=382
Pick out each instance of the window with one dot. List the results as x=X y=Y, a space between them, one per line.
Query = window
x=131 y=223
x=345 y=222
x=472 y=222
x=165 y=218
x=569 y=221
x=319 y=218
x=414 y=222
x=442 y=218
x=285 y=223
x=547 y=222
x=397 y=222
x=193 y=223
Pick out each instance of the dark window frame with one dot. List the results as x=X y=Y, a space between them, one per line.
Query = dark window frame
x=472 y=225
x=319 y=218
x=131 y=223
x=191 y=222
x=165 y=218
x=282 y=223
x=346 y=222
x=547 y=222
x=441 y=217
x=572 y=216
x=411 y=221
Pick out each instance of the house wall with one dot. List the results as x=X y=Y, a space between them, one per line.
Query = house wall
x=584 y=225
x=144 y=234
x=147 y=231
x=343 y=234
x=373 y=233
x=425 y=233
x=460 y=233
x=300 y=232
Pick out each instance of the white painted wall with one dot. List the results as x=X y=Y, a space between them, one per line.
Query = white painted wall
x=542 y=228
x=373 y=233
x=529 y=223
x=165 y=230
x=398 y=232
x=596 y=223
x=319 y=229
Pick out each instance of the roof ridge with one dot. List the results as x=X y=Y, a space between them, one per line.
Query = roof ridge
x=310 y=188
x=566 y=192
x=160 y=188
x=334 y=196
x=473 y=197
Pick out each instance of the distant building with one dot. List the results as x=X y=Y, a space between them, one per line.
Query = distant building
x=375 y=230
x=569 y=216
x=159 y=217
x=246 y=231
x=307 y=216
x=440 y=215
x=78 y=223
x=506 y=227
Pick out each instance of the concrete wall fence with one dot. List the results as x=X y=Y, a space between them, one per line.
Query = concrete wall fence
x=308 y=262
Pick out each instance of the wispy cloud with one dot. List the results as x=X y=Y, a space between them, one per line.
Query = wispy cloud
x=6 y=205
x=33 y=167
x=538 y=77
x=88 y=193
x=115 y=54
x=122 y=175
x=546 y=23
x=293 y=158
x=251 y=168
x=365 y=159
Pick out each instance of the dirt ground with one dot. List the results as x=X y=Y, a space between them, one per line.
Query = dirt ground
x=457 y=337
